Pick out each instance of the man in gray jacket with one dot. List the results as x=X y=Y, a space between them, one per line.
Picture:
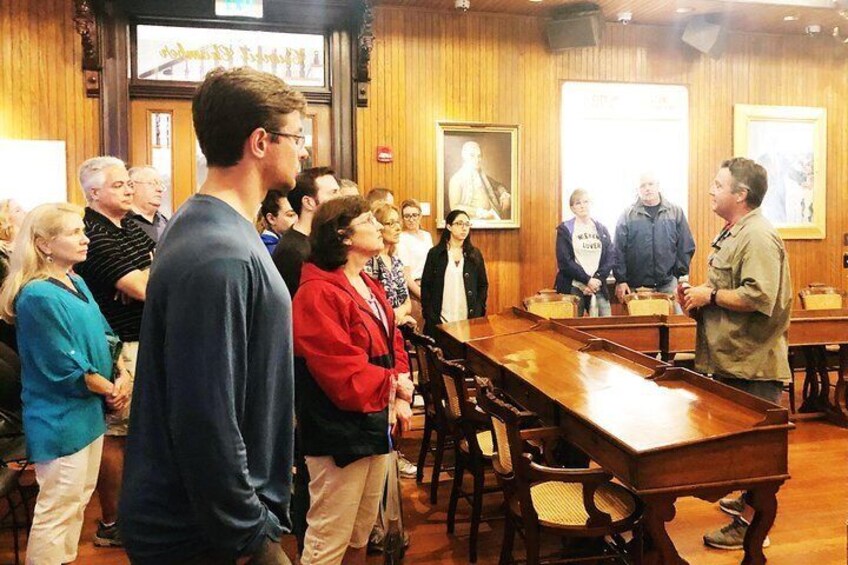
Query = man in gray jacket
x=654 y=245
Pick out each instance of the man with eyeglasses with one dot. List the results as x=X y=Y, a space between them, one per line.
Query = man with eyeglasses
x=314 y=187
x=743 y=309
x=116 y=270
x=208 y=473
x=149 y=190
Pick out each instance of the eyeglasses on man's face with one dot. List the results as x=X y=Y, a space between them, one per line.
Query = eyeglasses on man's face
x=300 y=140
x=411 y=216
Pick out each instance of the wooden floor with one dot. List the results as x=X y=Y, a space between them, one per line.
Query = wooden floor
x=810 y=526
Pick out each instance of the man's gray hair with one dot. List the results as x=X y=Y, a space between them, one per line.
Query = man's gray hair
x=141 y=168
x=92 y=173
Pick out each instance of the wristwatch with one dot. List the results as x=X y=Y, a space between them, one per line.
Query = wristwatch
x=713 y=295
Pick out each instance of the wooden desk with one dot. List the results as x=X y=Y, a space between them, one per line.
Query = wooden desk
x=665 y=432
x=455 y=335
x=809 y=330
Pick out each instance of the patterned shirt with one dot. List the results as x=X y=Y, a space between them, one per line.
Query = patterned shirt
x=113 y=253
x=391 y=278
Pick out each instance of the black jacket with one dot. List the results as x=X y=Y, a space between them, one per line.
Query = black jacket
x=433 y=285
x=569 y=270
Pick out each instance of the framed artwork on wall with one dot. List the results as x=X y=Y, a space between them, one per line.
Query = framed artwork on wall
x=791 y=143
x=478 y=173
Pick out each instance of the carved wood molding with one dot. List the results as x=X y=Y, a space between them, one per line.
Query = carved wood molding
x=85 y=23
x=365 y=42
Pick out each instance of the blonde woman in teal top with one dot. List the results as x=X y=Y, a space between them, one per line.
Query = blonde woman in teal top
x=66 y=374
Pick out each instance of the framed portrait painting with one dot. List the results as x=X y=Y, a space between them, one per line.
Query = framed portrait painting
x=478 y=173
x=791 y=143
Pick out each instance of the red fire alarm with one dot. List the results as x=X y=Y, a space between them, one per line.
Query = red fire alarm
x=384 y=154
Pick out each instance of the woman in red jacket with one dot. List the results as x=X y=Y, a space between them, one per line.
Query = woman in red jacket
x=351 y=378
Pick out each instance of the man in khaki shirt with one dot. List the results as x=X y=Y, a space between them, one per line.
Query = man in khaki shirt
x=743 y=309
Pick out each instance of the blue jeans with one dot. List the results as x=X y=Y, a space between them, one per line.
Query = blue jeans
x=583 y=305
x=770 y=391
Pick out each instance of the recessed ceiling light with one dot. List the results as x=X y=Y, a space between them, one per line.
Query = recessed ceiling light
x=790 y=18
x=535 y=0
x=684 y=10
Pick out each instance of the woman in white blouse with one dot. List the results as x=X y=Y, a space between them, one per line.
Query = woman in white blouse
x=454 y=285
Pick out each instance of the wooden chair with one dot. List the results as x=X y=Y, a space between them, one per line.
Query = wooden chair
x=446 y=432
x=569 y=503
x=816 y=365
x=418 y=356
x=550 y=304
x=12 y=446
x=645 y=302
x=473 y=450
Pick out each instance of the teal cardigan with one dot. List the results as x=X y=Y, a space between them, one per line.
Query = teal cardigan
x=61 y=336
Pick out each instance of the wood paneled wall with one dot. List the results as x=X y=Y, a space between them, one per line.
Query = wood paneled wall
x=431 y=66
x=41 y=82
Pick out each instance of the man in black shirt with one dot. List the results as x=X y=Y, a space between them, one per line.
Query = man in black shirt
x=149 y=191
x=116 y=271
x=314 y=187
x=208 y=473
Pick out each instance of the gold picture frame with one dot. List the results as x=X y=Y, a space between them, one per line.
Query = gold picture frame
x=478 y=172
x=791 y=143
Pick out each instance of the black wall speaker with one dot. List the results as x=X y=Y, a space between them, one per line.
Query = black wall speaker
x=579 y=28
x=706 y=36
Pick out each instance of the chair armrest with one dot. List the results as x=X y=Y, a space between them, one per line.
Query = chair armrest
x=550 y=432
x=538 y=473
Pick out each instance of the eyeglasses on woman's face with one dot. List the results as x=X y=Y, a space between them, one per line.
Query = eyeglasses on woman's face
x=462 y=224
x=411 y=215
x=369 y=219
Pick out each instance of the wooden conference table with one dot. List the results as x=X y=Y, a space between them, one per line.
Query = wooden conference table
x=809 y=332
x=663 y=431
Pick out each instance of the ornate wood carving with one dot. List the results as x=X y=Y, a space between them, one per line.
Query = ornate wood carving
x=85 y=23
x=365 y=43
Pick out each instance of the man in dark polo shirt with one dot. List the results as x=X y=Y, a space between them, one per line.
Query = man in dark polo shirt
x=743 y=310
x=149 y=190
x=314 y=187
x=116 y=271
x=208 y=473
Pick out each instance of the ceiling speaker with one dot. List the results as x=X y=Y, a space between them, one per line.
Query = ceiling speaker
x=705 y=36
x=579 y=28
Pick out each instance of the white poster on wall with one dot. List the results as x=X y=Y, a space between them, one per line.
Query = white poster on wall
x=34 y=172
x=612 y=133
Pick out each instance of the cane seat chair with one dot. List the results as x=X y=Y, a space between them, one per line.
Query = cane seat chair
x=474 y=450
x=645 y=302
x=550 y=304
x=568 y=503
x=419 y=343
x=435 y=420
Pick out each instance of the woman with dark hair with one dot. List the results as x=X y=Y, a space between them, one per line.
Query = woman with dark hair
x=351 y=378
x=454 y=285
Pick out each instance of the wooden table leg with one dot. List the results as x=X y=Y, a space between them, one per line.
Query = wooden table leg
x=816 y=380
x=658 y=549
x=839 y=408
x=764 y=500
